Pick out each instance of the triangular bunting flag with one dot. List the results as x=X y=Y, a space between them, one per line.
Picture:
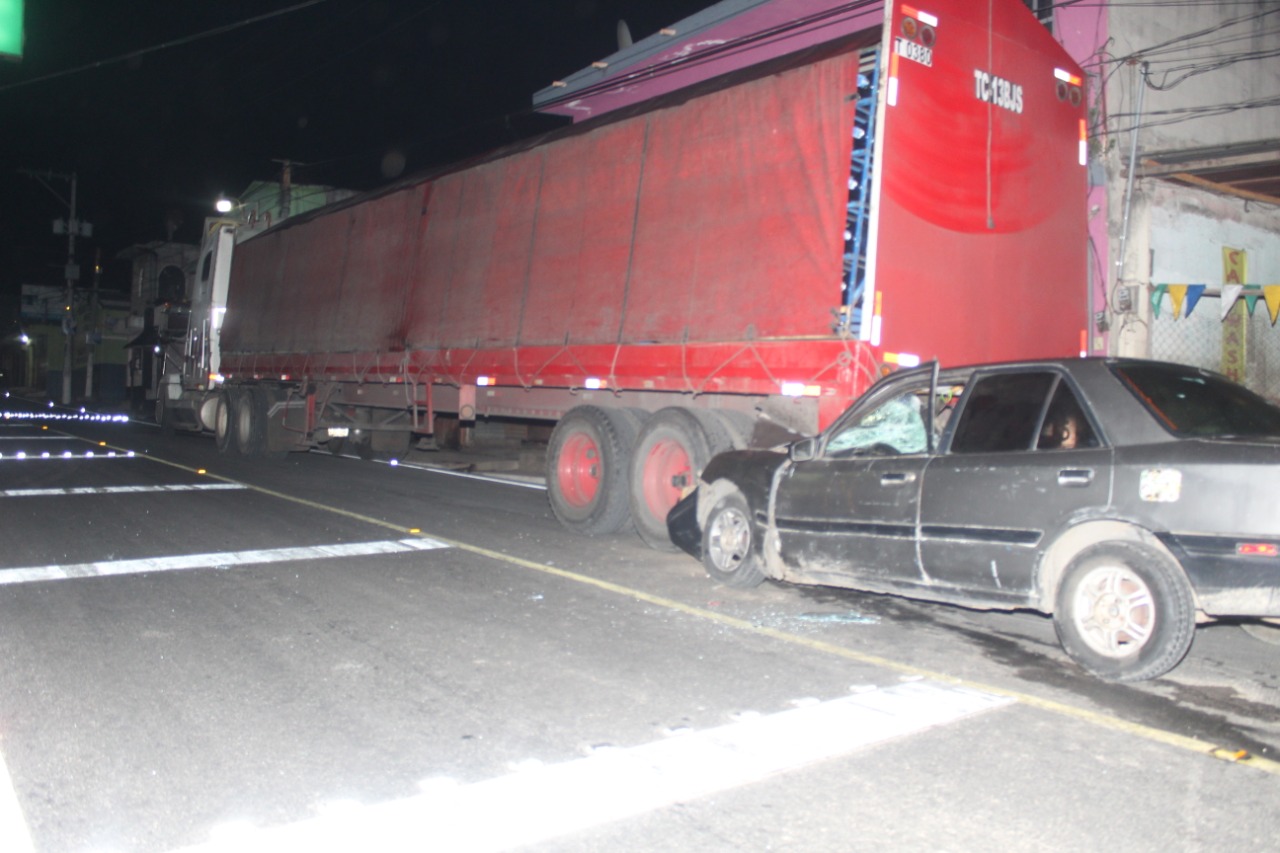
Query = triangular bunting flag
x=1271 y=292
x=1177 y=292
x=1157 y=296
x=1230 y=293
x=1194 y=292
x=1251 y=300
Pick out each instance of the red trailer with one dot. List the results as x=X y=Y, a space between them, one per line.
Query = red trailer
x=769 y=204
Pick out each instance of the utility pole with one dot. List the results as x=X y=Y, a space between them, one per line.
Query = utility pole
x=72 y=227
x=286 y=187
x=69 y=316
x=92 y=322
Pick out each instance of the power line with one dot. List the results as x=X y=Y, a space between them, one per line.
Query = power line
x=1186 y=37
x=1180 y=114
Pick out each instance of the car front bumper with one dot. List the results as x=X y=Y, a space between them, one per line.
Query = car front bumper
x=682 y=525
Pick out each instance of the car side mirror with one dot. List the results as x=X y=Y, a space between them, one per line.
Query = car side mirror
x=803 y=450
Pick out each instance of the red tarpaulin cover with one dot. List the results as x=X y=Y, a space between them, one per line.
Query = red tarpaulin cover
x=717 y=219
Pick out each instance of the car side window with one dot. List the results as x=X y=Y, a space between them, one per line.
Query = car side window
x=1002 y=413
x=1066 y=427
x=896 y=427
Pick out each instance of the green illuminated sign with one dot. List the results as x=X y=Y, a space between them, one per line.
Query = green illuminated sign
x=11 y=29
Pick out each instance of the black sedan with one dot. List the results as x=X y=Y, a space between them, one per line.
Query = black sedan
x=1129 y=499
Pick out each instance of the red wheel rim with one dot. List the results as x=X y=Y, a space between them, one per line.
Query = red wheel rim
x=578 y=471
x=666 y=461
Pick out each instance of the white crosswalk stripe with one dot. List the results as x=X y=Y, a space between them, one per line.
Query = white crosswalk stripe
x=215 y=560
x=119 y=490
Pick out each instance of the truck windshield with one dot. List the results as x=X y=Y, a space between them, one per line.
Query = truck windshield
x=1194 y=403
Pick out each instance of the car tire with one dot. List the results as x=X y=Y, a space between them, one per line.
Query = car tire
x=1125 y=612
x=588 y=458
x=729 y=551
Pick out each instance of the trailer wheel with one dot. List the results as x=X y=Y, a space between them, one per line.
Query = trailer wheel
x=587 y=461
x=223 y=422
x=250 y=421
x=1125 y=612
x=671 y=452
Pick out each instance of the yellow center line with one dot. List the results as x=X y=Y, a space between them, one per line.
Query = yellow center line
x=1096 y=718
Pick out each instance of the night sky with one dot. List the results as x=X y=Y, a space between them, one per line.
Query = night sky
x=348 y=89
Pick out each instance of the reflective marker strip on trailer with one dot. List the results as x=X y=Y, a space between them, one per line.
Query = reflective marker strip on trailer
x=119 y=490
x=539 y=803
x=217 y=560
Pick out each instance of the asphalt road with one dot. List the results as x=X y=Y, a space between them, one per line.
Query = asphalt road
x=326 y=654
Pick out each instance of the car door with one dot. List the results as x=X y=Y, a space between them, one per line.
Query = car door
x=1024 y=459
x=852 y=508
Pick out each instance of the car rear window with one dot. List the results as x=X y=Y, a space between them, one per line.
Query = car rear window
x=1195 y=403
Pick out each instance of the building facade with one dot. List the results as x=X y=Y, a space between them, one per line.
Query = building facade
x=1185 y=198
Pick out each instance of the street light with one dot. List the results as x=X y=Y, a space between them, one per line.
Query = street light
x=224 y=205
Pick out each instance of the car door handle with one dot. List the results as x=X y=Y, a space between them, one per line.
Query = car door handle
x=897 y=478
x=1075 y=476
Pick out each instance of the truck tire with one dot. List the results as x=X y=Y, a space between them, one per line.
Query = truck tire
x=1125 y=612
x=588 y=458
x=223 y=422
x=250 y=421
x=671 y=451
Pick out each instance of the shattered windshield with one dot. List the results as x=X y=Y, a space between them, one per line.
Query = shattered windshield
x=1193 y=403
x=893 y=428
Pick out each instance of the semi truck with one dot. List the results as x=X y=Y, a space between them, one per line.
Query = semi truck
x=755 y=213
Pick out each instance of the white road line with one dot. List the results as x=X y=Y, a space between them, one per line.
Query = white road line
x=551 y=801
x=15 y=836
x=118 y=490
x=217 y=560
x=526 y=481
